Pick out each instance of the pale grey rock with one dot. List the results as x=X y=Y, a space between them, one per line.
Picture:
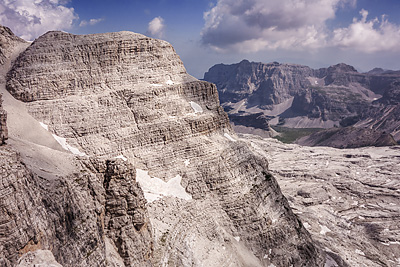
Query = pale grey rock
x=348 y=199
x=8 y=41
x=38 y=258
x=127 y=104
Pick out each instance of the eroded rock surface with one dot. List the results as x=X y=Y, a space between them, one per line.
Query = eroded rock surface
x=8 y=41
x=348 y=199
x=257 y=95
x=123 y=110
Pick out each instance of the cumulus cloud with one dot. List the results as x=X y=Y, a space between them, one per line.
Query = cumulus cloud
x=254 y=25
x=368 y=35
x=31 y=18
x=90 y=22
x=156 y=27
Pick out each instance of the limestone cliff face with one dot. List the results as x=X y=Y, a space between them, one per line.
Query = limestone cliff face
x=7 y=42
x=125 y=106
x=71 y=214
x=262 y=84
x=297 y=96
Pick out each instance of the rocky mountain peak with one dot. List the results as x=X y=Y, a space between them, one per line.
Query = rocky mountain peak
x=8 y=40
x=121 y=158
x=341 y=67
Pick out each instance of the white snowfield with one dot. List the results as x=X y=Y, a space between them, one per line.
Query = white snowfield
x=63 y=142
x=121 y=157
x=196 y=107
x=229 y=137
x=155 y=188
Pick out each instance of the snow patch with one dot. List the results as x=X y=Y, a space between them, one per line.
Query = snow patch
x=155 y=188
x=229 y=137
x=324 y=230
x=187 y=162
x=121 y=157
x=63 y=142
x=394 y=243
x=307 y=225
x=156 y=84
x=169 y=82
x=359 y=252
x=271 y=265
x=237 y=238
x=44 y=126
x=265 y=256
x=196 y=107
x=355 y=203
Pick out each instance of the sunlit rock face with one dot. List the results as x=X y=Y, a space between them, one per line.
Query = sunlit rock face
x=348 y=199
x=257 y=95
x=141 y=162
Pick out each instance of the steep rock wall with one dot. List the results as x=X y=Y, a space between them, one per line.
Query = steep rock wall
x=297 y=96
x=128 y=96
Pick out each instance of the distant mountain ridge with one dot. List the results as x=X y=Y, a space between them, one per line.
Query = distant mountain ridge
x=298 y=96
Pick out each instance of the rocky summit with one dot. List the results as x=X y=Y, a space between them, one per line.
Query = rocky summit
x=117 y=157
x=296 y=96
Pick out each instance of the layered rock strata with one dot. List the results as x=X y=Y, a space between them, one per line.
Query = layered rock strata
x=297 y=96
x=50 y=201
x=8 y=41
x=127 y=97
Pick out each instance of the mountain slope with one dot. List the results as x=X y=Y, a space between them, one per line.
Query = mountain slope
x=297 y=96
x=140 y=162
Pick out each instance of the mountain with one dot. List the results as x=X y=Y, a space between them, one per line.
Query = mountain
x=297 y=96
x=117 y=157
x=348 y=199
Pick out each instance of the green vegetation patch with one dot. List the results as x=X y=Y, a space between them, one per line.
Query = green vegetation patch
x=289 y=135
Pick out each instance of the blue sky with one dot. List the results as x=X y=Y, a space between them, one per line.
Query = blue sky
x=318 y=33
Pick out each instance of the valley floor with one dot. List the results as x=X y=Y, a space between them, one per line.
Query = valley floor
x=348 y=199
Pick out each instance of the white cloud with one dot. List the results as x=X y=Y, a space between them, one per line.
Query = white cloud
x=90 y=22
x=156 y=27
x=368 y=35
x=30 y=19
x=254 y=25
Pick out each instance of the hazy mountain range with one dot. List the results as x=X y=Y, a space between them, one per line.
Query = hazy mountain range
x=257 y=95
